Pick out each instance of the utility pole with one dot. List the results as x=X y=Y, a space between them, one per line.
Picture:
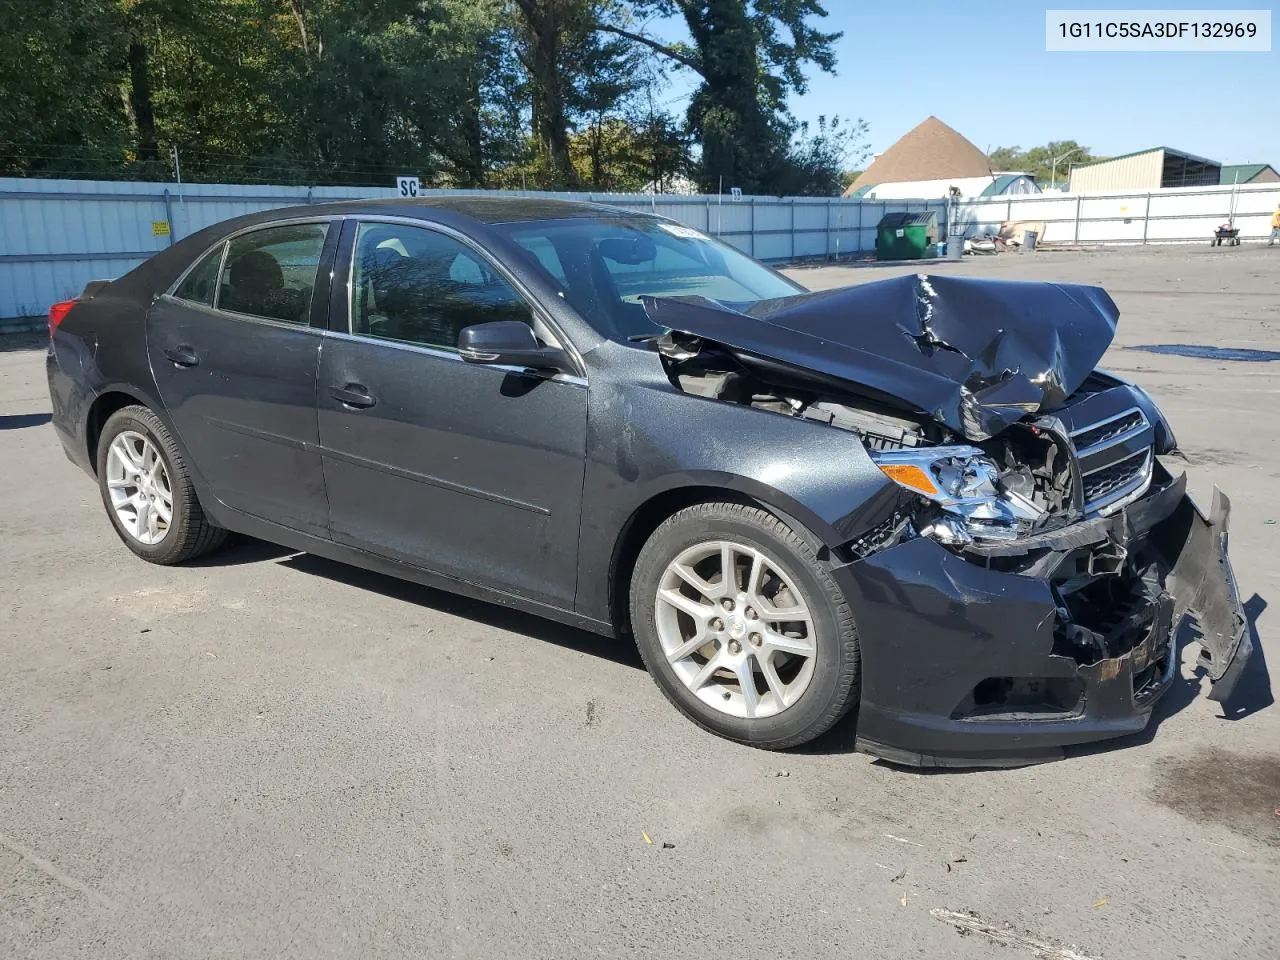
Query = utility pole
x=1053 y=172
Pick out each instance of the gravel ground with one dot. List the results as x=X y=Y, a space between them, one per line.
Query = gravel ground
x=272 y=755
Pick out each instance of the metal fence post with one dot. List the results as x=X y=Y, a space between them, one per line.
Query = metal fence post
x=793 y=228
x=826 y=254
x=1146 y=219
x=1077 y=231
x=168 y=214
x=751 y=231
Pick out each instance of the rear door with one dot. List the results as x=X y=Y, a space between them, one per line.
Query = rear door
x=234 y=350
x=468 y=470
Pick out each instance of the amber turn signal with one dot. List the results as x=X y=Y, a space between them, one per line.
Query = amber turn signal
x=911 y=476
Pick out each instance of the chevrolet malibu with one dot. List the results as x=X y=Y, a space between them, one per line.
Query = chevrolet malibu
x=916 y=497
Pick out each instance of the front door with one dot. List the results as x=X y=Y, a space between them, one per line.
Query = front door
x=467 y=470
x=234 y=354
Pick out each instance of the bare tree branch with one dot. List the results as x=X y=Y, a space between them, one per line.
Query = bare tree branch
x=671 y=52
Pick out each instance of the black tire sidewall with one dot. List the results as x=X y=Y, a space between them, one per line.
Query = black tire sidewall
x=143 y=421
x=793 y=553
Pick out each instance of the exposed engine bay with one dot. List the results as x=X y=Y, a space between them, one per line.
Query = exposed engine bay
x=1015 y=484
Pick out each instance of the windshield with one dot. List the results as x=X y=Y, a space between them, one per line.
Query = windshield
x=605 y=266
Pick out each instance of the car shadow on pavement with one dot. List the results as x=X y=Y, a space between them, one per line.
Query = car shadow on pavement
x=19 y=421
x=240 y=550
x=622 y=652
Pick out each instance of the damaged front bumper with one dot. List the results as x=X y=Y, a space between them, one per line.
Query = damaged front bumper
x=1006 y=655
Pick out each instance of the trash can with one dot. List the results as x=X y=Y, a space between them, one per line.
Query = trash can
x=907 y=236
x=1029 y=239
x=955 y=247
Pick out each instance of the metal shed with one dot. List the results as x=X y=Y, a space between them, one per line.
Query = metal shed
x=1152 y=169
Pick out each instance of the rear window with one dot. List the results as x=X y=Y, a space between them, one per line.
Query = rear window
x=201 y=283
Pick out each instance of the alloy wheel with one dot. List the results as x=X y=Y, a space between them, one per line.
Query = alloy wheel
x=735 y=629
x=139 y=487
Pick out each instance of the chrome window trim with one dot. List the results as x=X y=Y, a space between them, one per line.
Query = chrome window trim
x=233 y=315
x=453 y=355
x=539 y=313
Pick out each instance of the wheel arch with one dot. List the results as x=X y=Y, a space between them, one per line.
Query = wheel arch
x=100 y=410
x=660 y=505
x=117 y=397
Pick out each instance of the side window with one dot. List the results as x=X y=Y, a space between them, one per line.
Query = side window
x=545 y=253
x=272 y=272
x=201 y=284
x=419 y=286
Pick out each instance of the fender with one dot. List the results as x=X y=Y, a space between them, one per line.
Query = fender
x=642 y=449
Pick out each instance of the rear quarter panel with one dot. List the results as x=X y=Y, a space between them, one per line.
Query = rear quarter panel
x=100 y=346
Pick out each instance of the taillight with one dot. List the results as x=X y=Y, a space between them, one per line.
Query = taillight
x=57 y=312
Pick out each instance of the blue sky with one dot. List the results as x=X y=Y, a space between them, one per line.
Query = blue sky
x=981 y=67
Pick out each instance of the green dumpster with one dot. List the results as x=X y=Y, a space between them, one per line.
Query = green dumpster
x=907 y=236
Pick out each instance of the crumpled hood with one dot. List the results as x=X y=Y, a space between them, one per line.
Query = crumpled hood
x=976 y=355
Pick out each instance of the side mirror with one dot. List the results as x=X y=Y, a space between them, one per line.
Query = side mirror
x=508 y=343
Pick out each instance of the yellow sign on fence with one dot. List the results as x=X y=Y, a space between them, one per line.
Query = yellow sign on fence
x=159 y=228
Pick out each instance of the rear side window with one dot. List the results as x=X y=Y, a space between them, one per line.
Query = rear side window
x=271 y=273
x=201 y=283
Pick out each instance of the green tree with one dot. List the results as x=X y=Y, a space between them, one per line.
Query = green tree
x=749 y=54
x=60 y=108
x=1039 y=161
x=819 y=154
x=576 y=80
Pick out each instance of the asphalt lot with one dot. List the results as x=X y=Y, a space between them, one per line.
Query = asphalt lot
x=270 y=755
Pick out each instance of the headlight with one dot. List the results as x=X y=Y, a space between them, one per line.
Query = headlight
x=965 y=485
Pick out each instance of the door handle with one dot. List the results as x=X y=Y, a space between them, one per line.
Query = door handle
x=182 y=355
x=353 y=395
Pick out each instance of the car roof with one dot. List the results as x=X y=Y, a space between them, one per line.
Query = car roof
x=513 y=209
x=479 y=209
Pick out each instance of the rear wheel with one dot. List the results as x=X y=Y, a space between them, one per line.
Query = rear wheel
x=742 y=627
x=147 y=490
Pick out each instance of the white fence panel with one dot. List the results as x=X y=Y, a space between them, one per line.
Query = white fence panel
x=56 y=235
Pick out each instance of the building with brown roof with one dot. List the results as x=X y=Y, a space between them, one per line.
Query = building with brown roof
x=927 y=161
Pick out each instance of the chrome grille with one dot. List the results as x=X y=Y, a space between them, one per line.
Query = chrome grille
x=1106 y=482
x=1110 y=482
x=1113 y=428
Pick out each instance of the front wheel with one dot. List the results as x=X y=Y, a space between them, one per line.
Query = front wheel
x=148 y=492
x=742 y=627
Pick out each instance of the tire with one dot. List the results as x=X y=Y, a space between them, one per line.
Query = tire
x=187 y=533
x=783 y=713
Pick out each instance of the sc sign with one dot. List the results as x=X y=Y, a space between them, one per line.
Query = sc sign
x=408 y=186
